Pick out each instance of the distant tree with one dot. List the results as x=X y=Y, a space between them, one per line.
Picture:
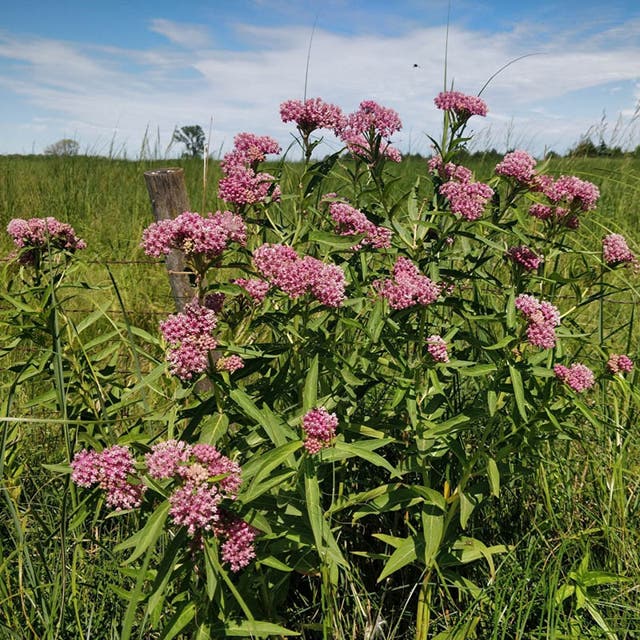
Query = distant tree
x=585 y=148
x=192 y=137
x=64 y=147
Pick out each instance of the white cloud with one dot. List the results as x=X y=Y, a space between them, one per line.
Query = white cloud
x=93 y=90
x=190 y=36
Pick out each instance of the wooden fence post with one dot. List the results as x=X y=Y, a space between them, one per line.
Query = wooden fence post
x=168 y=195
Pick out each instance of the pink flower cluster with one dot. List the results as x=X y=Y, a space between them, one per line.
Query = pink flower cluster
x=579 y=194
x=408 y=286
x=467 y=199
x=525 y=257
x=568 y=196
x=615 y=250
x=312 y=114
x=578 y=376
x=367 y=131
x=237 y=550
x=554 y=214
x=320 y=428
x=190 y=340
x=519 y=166
x=437 y=348
x=242 y=184
x=350 y=221
x=542 y=317
x=250 y=150
x=294 y=275
x=256 y=288
x=194 y=234
x=205 y=478
x=36 y=234
x=202 y=478
x=449 y=171
x=619 y=363
x=462 y=105
x=110 y=469
x=230 y=364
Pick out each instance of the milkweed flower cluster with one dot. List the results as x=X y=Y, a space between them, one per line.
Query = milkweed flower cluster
x=284 y=268
x=542 y=318
x=242 y=184
x=320 y=428
x=190 y=341
x=568 y=196
x=462 y=105
x=449 y=171
x=238 y=549
x=250 y=150
x=367 y=132
x=214 y=301
x=466 y=199
x=619 y=363
x=256 y=288
x=615 y=250
x=202 y=478
x=192 y=233
x=578 y=376
x=408 y=286
x=577 y=193
x=350 y=221
x=437 y=348
x=110 y=469
x=37 y=234
x=312 y=114
x=525 y=257
x=519 y=166
x=230 y=364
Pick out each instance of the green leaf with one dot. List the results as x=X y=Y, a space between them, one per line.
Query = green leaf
x=276 y=429
x=158 y=590
x=18 y=304
x=392 y=541
x=470 y=549
x=259 y=487
x=361 y=498
x=274 y=563
x=262 y=465
x=504 y=342
x=254 y=628
x=310 y=391
x=147 y=537
x=494 y=477
x=518 y=391
x=473 y=370
x=180 y=619
x=333 y=240
x=359 y=449
x=405 y=554
x=312 y=499
x=432 y=534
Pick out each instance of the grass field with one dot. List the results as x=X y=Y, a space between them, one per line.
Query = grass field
x=571 y=518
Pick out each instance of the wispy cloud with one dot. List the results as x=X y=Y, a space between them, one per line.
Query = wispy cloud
x=190 y=36
x=543 y=95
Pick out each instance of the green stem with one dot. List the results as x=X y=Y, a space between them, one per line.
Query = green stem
x=423 y=613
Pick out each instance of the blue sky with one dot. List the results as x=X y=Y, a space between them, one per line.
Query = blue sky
x=104 y=73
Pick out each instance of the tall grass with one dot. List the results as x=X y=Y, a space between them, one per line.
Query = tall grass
x=89 y=355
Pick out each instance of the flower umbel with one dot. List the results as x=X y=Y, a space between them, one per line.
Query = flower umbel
x=320 y=428
x=542 y=317
x=578 y=376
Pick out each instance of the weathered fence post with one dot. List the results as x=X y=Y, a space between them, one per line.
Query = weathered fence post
x=168 y=195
